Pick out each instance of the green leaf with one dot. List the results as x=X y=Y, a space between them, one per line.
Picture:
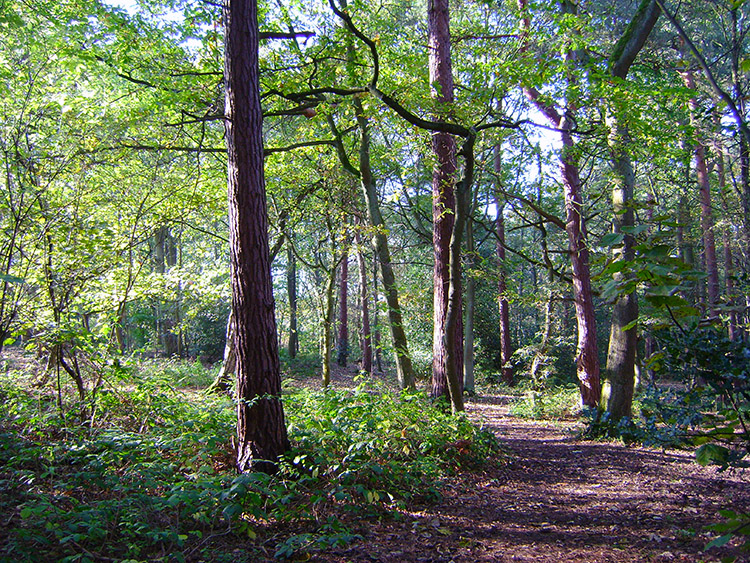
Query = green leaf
x=11 y=279
x=711 y=453
x=635 y=229
x=718 y=542
x=612 y=239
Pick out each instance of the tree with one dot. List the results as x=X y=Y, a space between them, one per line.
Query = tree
x=506 y=347
x=343 y=332
x=444 y=349
x=619 y=376
x=261 y=430
x=587 y=356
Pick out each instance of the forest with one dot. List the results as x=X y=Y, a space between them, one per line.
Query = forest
x=374 y=280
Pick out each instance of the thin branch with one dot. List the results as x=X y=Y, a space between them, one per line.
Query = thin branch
x=739 y=119
x=282 y=35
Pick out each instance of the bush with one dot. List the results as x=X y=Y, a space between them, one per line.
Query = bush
x=154 y=472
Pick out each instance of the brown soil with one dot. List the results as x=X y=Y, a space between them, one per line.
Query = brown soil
x=561 y=499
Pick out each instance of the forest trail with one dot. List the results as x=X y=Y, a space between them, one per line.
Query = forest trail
x=561 y=499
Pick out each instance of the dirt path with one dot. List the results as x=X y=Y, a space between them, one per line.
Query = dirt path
x=562 y=500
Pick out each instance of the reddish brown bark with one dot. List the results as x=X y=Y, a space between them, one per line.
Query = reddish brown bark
x=366 y=364
x=443 y=197
x=732 y=328
x=261 y=430
x=506 y=347
x=707 y=221
x=343 y=332
x=587 y=357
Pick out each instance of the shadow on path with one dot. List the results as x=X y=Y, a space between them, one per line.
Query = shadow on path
x=560 y=499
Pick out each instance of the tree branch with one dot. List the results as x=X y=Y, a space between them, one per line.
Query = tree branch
x=629 y=45
x=738 y=117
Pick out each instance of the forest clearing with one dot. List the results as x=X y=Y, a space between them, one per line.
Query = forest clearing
x=374 y=280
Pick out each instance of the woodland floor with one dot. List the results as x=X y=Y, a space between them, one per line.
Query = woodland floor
x=554 y=498
x=561 y=499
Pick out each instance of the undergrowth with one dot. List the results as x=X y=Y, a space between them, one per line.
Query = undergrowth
x=556 y=403
x=149 y=475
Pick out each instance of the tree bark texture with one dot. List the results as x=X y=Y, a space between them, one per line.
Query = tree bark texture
x=587 y=356
x=343 y=328
x=619 y=377
x=291 y=292
x=506 y=346
x=261 y=429
x=366 y=364
x=443 y=196
x=704 y=190
x=620 y=374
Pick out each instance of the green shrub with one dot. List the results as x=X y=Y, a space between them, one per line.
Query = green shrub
x=552 y=404
x=153 y=472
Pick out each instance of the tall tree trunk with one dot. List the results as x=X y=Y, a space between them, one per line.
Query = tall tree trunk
x=328 y=306
x=291 y=291
x=704 y=187
x=261 y=430
x=506 y=346
x=443 y=197
x=620 y=375
x=587 y=355
x=366 y=365
x=404 y=369
x=343 y=334
x=469 y=307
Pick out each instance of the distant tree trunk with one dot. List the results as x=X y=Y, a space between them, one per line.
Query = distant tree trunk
x=704 y=186
x=541 y=357
x=366 y=365
x=291 y=291
x=443 y=197
x=343 y=334
x=328 y=307
x=261 y=430
x=469 y=306
x=587 y=355
x=375 y=316
x=165 y=256
x=506 y=346
x=223 y=382
x=732 y=328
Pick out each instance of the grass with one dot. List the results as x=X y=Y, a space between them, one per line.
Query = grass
x=148 y=475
